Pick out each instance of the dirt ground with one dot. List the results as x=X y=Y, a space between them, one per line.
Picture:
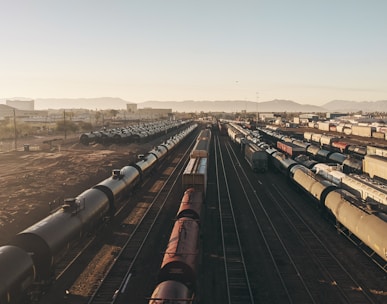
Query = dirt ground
x=31 y=181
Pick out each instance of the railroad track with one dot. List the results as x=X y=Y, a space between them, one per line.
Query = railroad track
x=237 y=279
x=306 y=269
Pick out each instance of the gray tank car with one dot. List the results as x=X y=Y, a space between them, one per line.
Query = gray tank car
x=17 y=273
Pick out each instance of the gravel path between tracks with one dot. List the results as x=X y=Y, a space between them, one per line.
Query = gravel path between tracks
x=31 y=180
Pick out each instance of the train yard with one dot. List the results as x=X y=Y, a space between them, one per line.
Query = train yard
x=262 y=239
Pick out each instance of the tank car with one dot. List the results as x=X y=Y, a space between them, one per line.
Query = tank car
x=181 y=256
x=337 y=157
x=352 y=165
x=312 y=150
x=49 y=239
x=369 y=227
x=171 y=292
x=323 y=155
x=89 y=138
x=306 y=161
x=314 y=186
x=191 y=204
x=17 y=273
x=301 y=144
x=147 y=163
x=120 y=183
x=358 y=151
x=282 y=163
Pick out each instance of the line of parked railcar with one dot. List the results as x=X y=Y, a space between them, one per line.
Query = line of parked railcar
x=295 y=147
x=178 y=272
x=253 y=150
x=29 y=261
x=367 y=189
x=367 y=159
x=135 y=133
x=353 y=216
x=195 y=173
x=336 y=143
x=363 y=130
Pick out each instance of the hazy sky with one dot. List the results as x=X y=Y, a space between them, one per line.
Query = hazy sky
x=308 y=51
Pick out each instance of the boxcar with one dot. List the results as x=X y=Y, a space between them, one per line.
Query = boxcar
x=256 y=157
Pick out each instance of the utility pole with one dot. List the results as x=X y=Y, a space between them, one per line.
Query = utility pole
x=14 y=128
x=257 y=95
x=64 y=124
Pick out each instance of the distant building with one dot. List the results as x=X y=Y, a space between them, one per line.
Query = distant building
x=131 y=107
x=309 y=117
x=150 y=113
x=335 y=115
x=5 y=111
x=266 y=116
x=25 y=115
x=27 y=105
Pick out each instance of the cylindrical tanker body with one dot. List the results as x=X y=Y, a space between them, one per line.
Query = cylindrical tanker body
x=17 y=273
x=181 y=256
x=301 y=144
x=369 y=227
x=282 y=163
x=322 y=155
x=312 y=150
x=306 y=161
x=50 y=239
x=159 y=151
x=191 y=204
x=94 y=206
x=359 y=151
x=171 y=292
x=120 y=183
x=337 y=157
x=89 y=138
x=352 y=165
x=315 y=186
x=147 y=163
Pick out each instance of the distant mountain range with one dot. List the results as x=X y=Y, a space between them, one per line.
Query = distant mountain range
x=276 y=105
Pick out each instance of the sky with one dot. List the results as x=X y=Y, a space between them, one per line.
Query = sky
x=308 y=51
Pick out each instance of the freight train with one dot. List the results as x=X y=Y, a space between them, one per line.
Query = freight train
x=320 y=147
x=135 y=133
x=195 y=173
x=353 y=216
x=29 y=261
x=178 y=272
x=253 y=150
